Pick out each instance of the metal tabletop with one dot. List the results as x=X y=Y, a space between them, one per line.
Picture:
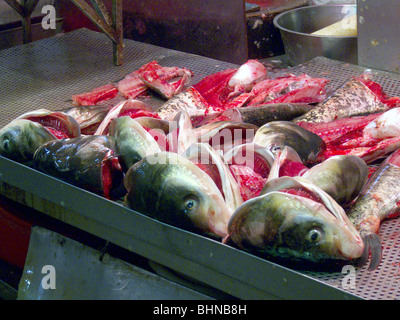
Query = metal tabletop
x=46 y=73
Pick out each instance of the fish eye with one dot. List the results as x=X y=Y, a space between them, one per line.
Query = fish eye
x=190 y=204
x=6 y=144
x=314 y=236
x=276 y=148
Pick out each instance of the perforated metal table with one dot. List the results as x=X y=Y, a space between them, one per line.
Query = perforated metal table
x=46 y=73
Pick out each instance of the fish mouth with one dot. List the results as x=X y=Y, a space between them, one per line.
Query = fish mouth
x=350 y=247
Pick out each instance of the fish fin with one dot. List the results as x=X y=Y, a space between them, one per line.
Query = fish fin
x=372 y=244
x=226 y=239
x=375 y=247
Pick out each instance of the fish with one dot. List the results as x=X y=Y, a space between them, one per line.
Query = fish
x=288 y=89
x=20 y=139
x=225 y=135
x=264 y=113
x=87 y=117
x=168 y=187
x=353 y=98
x=378 y=200
x=95 y=96
x=248 y=74
x=132 y=86
x=275 y=135
x=124 y=108
x=212 y=163
x=342 y=177
x=213 y=88
x=89 y=162
x=250 y=164
x=286 y=163
x=294 y=220
x=167 y=81
x=369 y=137
x=61 y=124
x=387 y=125
x=132 y=141
x=339 y=129
x=191 y=101
x=181 y=133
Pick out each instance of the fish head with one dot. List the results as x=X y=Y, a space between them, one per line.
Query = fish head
x=341 y=176
x=225 y=135
x=314 y=234
x=21 y=137
x=290 y=219
x=170 y=188
x=132 y=141
x=62 y=124
x=276 y=135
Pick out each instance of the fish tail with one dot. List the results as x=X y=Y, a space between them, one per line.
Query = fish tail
x=372 y=245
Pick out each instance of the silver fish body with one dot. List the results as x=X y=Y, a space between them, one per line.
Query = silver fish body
x=262 y=114
x=20 y=139
x=354 y=98
x=378 y=200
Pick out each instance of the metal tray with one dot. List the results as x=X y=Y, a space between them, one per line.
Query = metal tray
x=46 y=73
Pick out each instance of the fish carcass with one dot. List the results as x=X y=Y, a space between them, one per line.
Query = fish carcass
x=95 y=96
x=369 y=137
x=209 y=95
x=378 y=200
x=250 y=164
x=354 y=98
x=61 y=124
x=167 y=81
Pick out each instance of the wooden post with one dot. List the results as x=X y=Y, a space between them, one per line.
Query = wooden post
x=111 y=26
x=24 y=9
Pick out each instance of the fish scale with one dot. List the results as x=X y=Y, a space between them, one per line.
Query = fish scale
x=378 y=200
x=359 y=100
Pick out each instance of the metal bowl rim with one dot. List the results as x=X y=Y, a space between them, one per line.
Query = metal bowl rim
x=277 y=25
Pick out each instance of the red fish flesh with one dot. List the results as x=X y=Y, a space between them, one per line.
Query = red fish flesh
x=60 y=124
x=128 y=107
x=212 y=87
x=289 y=88
x=95 y=96
x=132 y=86
x=167 y=81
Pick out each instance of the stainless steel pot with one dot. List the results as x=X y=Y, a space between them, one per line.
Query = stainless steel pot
x=300 y=45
